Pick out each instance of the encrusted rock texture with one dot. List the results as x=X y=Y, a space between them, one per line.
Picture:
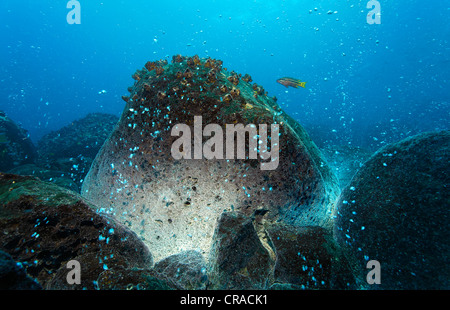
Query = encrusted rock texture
x=62 y=157
x=395 y=210
x=13 y=276
x=250 y=254
x=44 y=226
x=145 y=220
x=72 y=148
x=16 y=148
x=174 y=204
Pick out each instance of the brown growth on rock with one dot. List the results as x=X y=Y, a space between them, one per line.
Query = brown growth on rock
x=174 y=203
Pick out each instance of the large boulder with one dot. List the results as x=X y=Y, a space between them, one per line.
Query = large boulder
x=16 y=148
x=187 y=269
x=242 y=257
x=81 y=137
x=309 y=258
x=174 y=204
x=72 y=148
x=395 y=211
x=44 y=227
x=251 y=253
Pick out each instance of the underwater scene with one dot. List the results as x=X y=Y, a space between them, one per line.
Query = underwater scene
x=206 y=145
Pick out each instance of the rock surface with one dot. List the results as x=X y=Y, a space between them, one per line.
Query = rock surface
x=187 y=269
x=134 y=279
x=241 y=255
x=59 y=178
x=13 y=275
x=44 y=226
x=309 y=258
x=72 y=148
x=16 y=148
x=251 y=253
x=174 y=204
x=395 y=211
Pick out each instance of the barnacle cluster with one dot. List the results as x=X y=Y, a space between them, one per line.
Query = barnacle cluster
x=177 y=58
x=147 y=87
x=213 y=64
x=203 y=85
x=212 y=77
x=136 y=77
x=223 y=88
x=235 y=92
x=258 y=90
x=193 y=78
x=247 y=78
x=187 y=74
x=161 y=95
x=234 y=78
x=158 y=66
x=193 y=62
x=150 y=65
x=159 y=70
x=227 y=98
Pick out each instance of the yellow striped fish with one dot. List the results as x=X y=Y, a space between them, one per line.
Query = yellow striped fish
x=287 y=81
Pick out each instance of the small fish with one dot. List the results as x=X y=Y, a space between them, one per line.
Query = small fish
x=102 y=92
x=287 y=81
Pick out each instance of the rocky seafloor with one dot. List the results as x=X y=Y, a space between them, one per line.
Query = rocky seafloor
x=107 y=193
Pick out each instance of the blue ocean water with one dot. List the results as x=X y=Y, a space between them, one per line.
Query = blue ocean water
x=372 y=78
x=366 y=84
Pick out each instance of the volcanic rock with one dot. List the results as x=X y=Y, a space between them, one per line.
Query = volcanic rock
x=395 y=211
x=59 y=178
x=187 y=269
x=135 y=279
x=44 y=226
x=72 y=148
x=13 y=275
x=309 y=258
x=242 y=256
x=16 y=148
x=173 y=204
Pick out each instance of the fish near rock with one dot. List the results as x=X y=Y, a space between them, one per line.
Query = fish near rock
x=173 y=204
x=291 y=82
